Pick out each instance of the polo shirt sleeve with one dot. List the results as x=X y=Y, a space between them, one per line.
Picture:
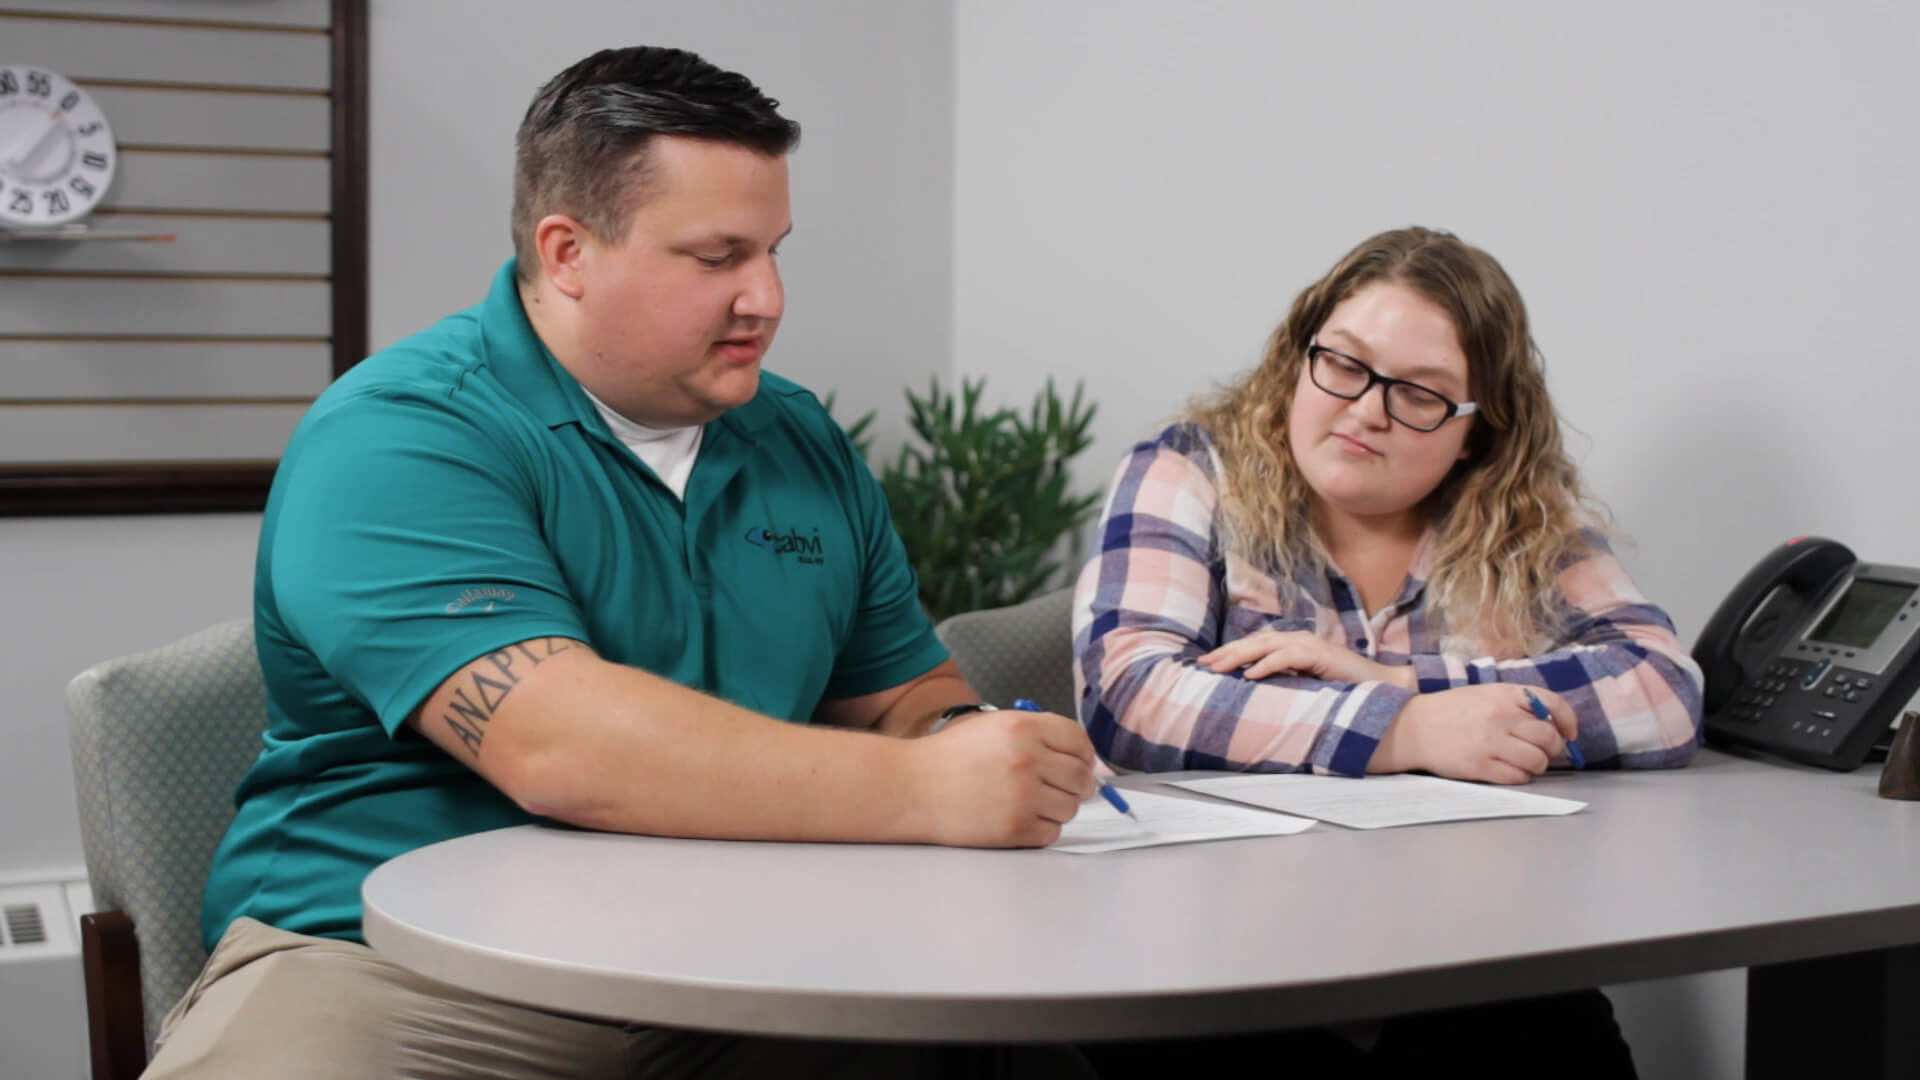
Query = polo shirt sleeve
x=404 y=540
x=891 y=641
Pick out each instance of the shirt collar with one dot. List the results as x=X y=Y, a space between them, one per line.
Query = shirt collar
x=524 y=364
x=1315 y=579
x=1419 y=571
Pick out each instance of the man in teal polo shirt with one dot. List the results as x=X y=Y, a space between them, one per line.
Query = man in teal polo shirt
x=569 y=554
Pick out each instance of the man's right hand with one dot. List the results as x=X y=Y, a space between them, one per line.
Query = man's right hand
x=1000 y=779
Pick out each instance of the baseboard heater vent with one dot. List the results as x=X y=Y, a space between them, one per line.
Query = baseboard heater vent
x=23 y=924
x=35 y=922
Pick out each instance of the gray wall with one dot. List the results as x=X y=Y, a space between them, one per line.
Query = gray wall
x=1709 y=206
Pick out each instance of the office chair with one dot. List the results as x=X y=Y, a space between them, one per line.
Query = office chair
x=160 y=740
x=1021 y=650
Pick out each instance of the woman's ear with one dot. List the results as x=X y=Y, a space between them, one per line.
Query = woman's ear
x=1478 y=442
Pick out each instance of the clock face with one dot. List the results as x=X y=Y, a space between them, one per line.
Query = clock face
x=56 y=150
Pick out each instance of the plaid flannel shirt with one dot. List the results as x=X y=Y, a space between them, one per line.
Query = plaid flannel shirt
x=1161 y=591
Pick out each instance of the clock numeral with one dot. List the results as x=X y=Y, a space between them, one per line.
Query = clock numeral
x=94 y=159
x=8 y=83
x=38 y=84
x=68 y=102
x=56 y=201
x=89 y=128
x=22 y=201
x=80 y=186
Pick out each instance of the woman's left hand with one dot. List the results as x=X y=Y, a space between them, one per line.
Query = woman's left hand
x=1269 y=652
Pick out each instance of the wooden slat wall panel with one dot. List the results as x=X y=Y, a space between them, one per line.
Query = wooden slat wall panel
x=308 y=13
x=219 y=120
x=202 y=245
x=55 y=307
x=119 y=52
x=104 y=433
x=155 y=181
x=201 y=369
x=146 y=376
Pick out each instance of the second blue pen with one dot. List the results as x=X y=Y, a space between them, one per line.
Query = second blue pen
x=1107 y=791
x=1540 y=710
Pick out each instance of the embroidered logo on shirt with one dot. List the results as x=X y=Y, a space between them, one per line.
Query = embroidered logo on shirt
x=806 y=548
x=489 y=593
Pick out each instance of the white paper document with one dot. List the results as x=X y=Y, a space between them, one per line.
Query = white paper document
x=1166 y=819
x=1378 y=802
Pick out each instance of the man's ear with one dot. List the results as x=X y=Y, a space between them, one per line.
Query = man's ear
x=563 y=244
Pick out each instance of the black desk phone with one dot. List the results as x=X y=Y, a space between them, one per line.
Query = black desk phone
x=1813 y=655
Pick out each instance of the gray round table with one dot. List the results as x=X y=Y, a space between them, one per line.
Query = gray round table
x=1726 y=864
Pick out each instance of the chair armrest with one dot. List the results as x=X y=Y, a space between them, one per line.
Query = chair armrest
x=116 y=1025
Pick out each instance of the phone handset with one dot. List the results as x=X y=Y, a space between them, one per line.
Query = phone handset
x=1804 y=567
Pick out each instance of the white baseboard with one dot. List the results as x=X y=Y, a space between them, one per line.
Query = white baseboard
x=43 y=1014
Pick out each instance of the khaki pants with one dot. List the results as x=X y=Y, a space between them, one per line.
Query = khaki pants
x=273 y=1003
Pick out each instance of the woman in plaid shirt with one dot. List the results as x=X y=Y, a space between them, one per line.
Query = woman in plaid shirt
x=1306 y=574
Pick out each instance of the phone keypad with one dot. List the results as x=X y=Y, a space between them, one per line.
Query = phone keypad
x=1767 y=687
x=1795 y=685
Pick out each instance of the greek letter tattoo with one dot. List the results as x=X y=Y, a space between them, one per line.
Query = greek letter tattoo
x=488 y=682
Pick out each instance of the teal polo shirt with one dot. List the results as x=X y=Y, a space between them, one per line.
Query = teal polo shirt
x=458 y=492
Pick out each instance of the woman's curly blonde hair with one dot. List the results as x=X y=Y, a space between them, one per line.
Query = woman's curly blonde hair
x=1507 y=517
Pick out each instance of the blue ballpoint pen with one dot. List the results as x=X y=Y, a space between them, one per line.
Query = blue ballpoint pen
x=1107 y=791
x=1577 y=759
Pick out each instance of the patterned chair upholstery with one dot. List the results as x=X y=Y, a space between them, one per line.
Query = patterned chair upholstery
x=1021 y=650
x=160 y=739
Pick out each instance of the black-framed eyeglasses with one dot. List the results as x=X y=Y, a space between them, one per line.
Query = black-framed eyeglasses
x=1416 y=406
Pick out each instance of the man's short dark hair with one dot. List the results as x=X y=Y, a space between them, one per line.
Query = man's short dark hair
x=582 y=148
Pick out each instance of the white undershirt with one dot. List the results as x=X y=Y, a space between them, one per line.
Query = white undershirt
x=669 y=452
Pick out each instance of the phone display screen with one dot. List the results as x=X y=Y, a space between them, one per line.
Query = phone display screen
x=1862 y=613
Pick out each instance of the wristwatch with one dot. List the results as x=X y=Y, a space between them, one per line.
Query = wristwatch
x=962 y=709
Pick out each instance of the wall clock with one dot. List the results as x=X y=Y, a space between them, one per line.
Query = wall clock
x=57 y=155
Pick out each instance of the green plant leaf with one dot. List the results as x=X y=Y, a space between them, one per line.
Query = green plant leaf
x=857 y=432
x=981 y=497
